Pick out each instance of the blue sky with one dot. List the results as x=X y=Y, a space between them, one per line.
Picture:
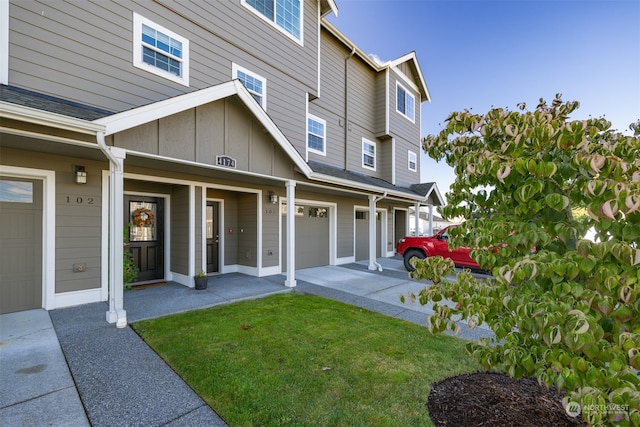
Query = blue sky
x=479 y=54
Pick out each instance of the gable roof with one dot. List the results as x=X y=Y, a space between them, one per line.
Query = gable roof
x=157 y=110
x=411 y=57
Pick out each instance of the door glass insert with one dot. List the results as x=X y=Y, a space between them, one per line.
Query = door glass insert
x=16 y=191
x=209 y=222
x=143 y=221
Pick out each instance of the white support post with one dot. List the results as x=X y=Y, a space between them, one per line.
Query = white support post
x=291 y=235
x=430 y=220
x=417 y=218
x=116 y=313
x=372 y=234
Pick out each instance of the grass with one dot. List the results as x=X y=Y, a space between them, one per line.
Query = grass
x=302 y=360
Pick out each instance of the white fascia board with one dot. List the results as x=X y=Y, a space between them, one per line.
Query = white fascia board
x=434 y=189
x=272 y=128
x=141 y=115
x=145 y=114
x=412 y=57
x=45 y=118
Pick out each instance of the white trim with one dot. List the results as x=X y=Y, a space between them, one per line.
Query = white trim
x=203 y=230
x=192 y=234
x=273 y=23
x=221 y=232
x=412 y=119
x=375 y=154
x=324 y=136
x=383 y=228
x=415 y=155
x=145 y=114
x=44 y=118
x=138 y=21
x=263 y=96
x=70 y=299
x=48 y=179
x=4 y=42
x=104 y=240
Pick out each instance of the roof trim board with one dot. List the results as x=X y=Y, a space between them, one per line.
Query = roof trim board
x=145 y=114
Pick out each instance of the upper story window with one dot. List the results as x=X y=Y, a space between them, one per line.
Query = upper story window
x=160 y=51
x=368 y=154
x=255 y=84
x=405 y=102
x=316 y=135
x=286 y=15
x=413 y=161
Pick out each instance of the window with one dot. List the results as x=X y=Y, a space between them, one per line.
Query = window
x=316 y=132
x=405 y=102
x=255 y=84
x=368 y=154
x=16 y=191
x=284 y=14
x=160 y=51
x=413 y=161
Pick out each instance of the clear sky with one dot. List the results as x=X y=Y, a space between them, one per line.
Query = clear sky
x=478 y=54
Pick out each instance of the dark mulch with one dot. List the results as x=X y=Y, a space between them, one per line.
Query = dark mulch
x=492 y=399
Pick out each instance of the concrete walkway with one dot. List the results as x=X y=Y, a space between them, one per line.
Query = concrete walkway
x=88 y=372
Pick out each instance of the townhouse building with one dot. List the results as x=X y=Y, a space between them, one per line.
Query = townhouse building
x=220 y=136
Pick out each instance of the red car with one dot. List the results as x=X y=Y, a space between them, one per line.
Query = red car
x=421 y=247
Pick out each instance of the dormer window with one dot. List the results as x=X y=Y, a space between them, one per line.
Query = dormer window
x=405 y=102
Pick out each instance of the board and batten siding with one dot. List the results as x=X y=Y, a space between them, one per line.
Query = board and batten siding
x=200 y=134
x=247 y=229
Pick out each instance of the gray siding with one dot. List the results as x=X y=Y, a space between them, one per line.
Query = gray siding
x=78 y=216
x=270 y=230
x=247 y=230
x=180 y=229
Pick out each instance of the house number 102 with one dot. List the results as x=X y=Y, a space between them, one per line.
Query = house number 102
x=79 y=200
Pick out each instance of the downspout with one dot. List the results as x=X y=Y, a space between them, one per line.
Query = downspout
x=116 y=313
x=373 y=264
x=346 y=108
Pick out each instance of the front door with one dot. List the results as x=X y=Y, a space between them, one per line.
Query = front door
x=144 y=217
x=213 y=237
x=20 y=244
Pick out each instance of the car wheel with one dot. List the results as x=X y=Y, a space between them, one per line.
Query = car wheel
x=409 y=255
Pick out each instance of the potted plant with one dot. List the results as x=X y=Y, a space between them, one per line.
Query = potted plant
x=201 y=280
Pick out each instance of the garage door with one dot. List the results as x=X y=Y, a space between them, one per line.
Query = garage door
x=312 y=236
x=20 y=244
x=362 y=235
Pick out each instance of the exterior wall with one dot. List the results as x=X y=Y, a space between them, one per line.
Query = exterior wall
x=270 y=232
x=200 y=134
x=78 y=216
x=179 y=229
x=247 y=230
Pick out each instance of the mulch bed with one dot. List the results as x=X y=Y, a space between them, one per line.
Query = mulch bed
x=147 y=286
x=493 y=399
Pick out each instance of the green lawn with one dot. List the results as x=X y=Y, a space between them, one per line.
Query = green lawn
x=302 y=360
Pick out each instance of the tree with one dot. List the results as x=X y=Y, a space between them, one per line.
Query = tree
x=564 y=309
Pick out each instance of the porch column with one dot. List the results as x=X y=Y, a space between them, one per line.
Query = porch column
x=430 y=220
x=373 y=241
x=417 y=218
x=116 y=313
x=291 y=234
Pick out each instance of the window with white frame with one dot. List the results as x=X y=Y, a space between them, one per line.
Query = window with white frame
x=316 y=135
x=160 y=51
x=286 y=15
x=368 y=154
x=255 y=84
x=413 y=161
x=405 y=102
